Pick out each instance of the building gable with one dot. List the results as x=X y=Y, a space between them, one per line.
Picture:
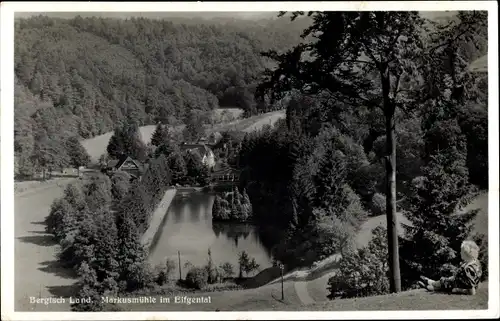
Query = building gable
x=129 y=164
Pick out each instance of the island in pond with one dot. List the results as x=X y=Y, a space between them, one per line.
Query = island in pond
x=232 y=207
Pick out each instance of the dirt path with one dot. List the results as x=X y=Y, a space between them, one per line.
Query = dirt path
x=37 y=273
x=302 y=292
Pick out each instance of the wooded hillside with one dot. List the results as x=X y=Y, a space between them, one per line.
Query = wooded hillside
x=82 y=76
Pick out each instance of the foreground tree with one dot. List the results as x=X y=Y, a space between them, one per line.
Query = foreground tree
x=436 y=229
x=131 y=254
x=368 y=59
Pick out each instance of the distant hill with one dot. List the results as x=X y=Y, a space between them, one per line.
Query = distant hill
x=82 y=76
x=208 y=15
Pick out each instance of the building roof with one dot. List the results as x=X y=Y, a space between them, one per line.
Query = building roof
x=118 y=163
x=202 y=149
x=226 y=171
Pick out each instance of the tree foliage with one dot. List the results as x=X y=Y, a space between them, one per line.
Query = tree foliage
x=378 y=60
x=232 y=206
x=436 y=229
x=160 y=136
x=126 y=140
x=78 y=156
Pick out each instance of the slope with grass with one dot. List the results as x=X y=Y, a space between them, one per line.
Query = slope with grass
x=409 y=300
x=252 y=123
x=96 y=146
x=311 y=283
x=267 y=297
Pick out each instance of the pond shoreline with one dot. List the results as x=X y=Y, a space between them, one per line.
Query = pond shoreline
x=188 y=231
x=157 y=218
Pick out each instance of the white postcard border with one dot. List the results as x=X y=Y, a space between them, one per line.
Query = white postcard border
x=7 y=168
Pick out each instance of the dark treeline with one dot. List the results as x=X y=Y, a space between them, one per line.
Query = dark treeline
x=318 y=174
x=81 y=76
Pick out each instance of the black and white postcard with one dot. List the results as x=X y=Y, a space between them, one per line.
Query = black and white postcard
x=250 y=160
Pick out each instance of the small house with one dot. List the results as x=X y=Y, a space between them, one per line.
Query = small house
x=127 y=164
x=206 y=154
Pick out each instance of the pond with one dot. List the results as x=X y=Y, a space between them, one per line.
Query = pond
x=188 y=228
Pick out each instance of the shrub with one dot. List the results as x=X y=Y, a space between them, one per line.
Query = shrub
x=211 y=269
x=109 y=287
x=377 y=205
x=161 y=275
x=247 y=264
x=197 y=278
x=170 y=267
x=140 y=276
x=227 y=270
x=363 y=272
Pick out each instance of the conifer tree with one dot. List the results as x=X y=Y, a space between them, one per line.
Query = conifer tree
x=130 y=251
x=89 y=288
x=431 y=246
x=177 y=167
x=160 y=135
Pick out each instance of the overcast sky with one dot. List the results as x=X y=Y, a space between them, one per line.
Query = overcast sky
x=199 y=14
x=155 y=15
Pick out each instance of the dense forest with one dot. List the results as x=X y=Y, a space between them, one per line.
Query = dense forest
x=82 y=76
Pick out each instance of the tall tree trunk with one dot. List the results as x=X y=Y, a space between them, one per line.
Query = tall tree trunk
x=392 y=227
x=390 y=190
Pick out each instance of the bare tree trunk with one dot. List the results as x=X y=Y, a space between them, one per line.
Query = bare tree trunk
x=390 y=190
x=392 y=227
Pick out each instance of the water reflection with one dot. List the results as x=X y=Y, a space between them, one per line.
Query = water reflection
x=188 y=228
x=233 y=232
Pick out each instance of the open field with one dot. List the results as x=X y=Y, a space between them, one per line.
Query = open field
x=28 y=187
x=96 y=146
x=37 y=272
x=235 y=112
x=252 y=123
